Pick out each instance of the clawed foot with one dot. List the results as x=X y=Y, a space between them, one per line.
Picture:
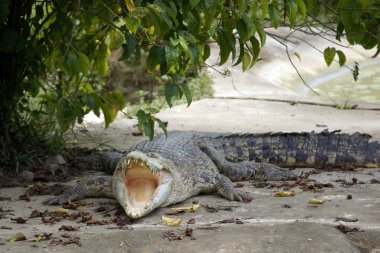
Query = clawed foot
x=64 y=198
x=239 y=196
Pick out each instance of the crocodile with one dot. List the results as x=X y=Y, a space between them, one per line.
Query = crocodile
x=169 y=170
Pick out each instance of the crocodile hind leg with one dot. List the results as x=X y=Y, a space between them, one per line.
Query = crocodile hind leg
x=95 y=187
x=245 y=170
x=226 y=188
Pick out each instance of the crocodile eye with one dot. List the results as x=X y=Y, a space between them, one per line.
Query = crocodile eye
x=153 y=155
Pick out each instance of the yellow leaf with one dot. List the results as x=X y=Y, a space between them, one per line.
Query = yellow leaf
x=17 y=237
x=194 y=207
x=285 y=194
x=60 y=211
x=35 y=239
x=190 y=209
x=170 y=221
x=130 y=5
x=316 y=201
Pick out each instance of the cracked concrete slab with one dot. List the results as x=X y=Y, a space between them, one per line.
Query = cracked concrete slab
x=268 y=223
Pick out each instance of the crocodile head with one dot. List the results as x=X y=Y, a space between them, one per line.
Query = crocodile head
x=142 y=183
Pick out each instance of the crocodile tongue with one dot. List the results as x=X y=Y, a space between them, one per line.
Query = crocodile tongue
x=141 y=184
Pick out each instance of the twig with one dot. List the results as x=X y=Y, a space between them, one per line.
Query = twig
x=294 y=66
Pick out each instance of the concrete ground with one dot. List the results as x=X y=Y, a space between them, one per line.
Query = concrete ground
x=268 y=223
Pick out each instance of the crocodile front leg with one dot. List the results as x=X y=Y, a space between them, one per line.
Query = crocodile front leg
x=95 y=187
x=245 y=170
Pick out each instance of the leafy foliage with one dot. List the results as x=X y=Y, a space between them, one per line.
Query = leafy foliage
x=54 y=53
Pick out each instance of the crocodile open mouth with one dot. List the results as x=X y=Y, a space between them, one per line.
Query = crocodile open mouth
x=142 y=184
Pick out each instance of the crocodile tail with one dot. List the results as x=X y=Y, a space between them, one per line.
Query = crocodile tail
x=307 y=149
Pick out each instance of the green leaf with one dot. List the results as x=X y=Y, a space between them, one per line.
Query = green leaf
x=342 y=57
x=129 y=46
x=171 y=90
x=255 y=50
x=117 y=38
x=302 y=7
x=83 y=63
x=70 y=62
x=249 y=26
x=297 y=55
x=242 y=6
x=292 y=8
x=261 y=32
x=132 y=23
x=224 y=46
x=146 y=122
x=264 y=8
x=171 y=56
x=206 y=52
x=67 y=113
x=194 y=3
x=274 y=15
x=355 y=71
x=246 y=61
x=194 y=54
x=349 y=12
x=109 y=113
x=162 y=125
x=101 y=59
x=155 y=57
x=241 y=54
x=339 y=31
x=329 y=55
x=187 y=93
x=242 y=29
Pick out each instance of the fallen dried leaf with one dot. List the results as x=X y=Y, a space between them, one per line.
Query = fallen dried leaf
x=60 y=211
x=260 y=184
x=316 y=201
x=171 y=236
x=345 y=229
x=25 y=197
x=67 y=228
x=212 y=209
x=19 y=220
x=189 y=232
x=170 y=221
x=190 y=209
x=191 y=221
x=96 y=222
x=232 y=220
x=345 y=219
x=17 y=237
x=35 y=239
x=285 y=194
x=286 y=206
x=51 y=220
x=35 y=214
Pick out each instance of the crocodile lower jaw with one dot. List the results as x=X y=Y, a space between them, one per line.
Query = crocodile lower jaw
x=141 y=184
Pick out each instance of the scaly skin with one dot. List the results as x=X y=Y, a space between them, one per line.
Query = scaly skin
x=188 y=163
